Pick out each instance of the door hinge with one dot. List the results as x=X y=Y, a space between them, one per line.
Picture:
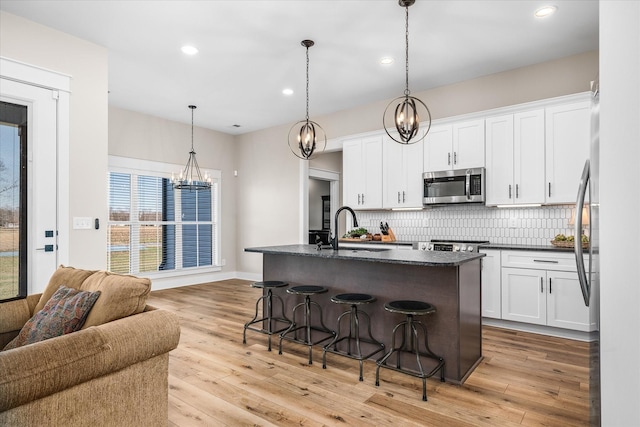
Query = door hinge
x=55 y=94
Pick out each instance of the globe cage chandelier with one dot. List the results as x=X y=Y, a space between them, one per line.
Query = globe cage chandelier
x=306 y=137
x=408 y=110
x=191 y=178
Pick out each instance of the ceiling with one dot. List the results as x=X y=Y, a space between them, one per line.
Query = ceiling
x=249 y=51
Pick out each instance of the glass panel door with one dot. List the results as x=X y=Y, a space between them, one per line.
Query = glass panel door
x=13 y=197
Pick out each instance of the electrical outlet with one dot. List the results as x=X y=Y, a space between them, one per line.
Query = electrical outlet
x=513 y=222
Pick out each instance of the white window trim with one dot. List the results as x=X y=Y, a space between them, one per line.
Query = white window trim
x=148 y=167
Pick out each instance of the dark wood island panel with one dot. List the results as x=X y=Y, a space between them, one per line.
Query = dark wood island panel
x=454 y=289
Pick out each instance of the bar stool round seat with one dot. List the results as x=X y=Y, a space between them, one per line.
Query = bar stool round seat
x=268 y=319
x=353 y=337
x=411 y=342
x=291 y=333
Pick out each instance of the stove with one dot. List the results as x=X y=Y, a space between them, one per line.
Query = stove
x=450 y=245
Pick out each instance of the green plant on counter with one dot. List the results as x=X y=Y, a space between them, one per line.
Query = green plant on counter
x=355 y=233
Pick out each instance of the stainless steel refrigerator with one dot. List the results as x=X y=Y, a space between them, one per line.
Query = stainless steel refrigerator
x=589 y=272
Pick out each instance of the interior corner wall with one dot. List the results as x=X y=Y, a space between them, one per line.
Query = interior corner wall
x=269 y=181
x=141 y=136
x=87 y=64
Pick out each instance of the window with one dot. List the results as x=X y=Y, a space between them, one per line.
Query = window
x=154 y=228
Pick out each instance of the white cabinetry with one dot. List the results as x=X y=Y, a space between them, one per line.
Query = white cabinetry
x=567 y=147
x=402 y=174
x=515 y=158
x=491 y=292
x=542 y=288
x=454 y=146
x=362 y=169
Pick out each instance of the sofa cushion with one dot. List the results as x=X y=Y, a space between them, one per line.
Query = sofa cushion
x=122 y=296
x=68 y=276
x=65 y=312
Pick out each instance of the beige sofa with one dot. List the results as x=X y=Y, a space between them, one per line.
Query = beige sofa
x=113 y=373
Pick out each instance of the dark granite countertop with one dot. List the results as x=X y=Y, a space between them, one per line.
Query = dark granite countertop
x=512 y=247
x=391 y=256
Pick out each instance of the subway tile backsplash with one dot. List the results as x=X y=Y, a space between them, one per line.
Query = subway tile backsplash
x=517 y=226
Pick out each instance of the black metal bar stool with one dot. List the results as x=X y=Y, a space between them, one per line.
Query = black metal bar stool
x=307 y=291
x=268 y=318
x=411 y=342
x=354 y=300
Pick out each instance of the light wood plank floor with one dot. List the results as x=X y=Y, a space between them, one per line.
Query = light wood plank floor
x=215 y=380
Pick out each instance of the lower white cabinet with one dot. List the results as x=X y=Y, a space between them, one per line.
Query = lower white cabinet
x=542 y=288
x=491 y=292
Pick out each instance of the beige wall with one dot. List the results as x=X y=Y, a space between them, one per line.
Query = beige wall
x=267 y=161
x=87 y=64
x=140 y=136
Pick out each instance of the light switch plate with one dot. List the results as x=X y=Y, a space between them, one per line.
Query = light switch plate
x=82 y=223
x=513 y=222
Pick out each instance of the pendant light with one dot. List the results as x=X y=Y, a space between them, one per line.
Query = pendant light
x=402 y=116
x=307 y=138
x=191 y=178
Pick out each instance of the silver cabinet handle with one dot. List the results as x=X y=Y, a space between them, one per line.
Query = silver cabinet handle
x=549 y=284
x=358 y=198
x=509 y=190
x=517 y=195
x=363 y=198
x=455 y=158
x=541 y=285
x=398 y=197
x=549 y=189
x=449 y=158
x=403 y=198
x=548 y=261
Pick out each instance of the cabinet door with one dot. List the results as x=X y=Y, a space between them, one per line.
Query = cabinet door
x=437 y=148
x=528 y=157
x=414 y=185
x=394 y=175
x=565 y=306
x=524 y=296
x=567 y=147
x=491 y=293
x=372 y=177
x=352 y=172
x=499 y=157
x=468 y=144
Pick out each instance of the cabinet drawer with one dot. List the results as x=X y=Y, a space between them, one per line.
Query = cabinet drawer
x=556 y=261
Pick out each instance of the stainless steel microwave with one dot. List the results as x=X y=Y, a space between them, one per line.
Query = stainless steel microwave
x=454 y=186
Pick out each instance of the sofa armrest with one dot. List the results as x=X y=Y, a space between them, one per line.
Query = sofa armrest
x=43 y=368
x=13 y=315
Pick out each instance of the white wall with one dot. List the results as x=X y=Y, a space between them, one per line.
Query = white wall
x=620 y=212
x=86 y=63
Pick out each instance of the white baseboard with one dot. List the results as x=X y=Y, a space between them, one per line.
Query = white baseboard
x=160 y=283
x=540 y=329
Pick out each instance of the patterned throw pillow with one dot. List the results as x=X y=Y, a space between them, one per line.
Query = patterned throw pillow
x=65 y=312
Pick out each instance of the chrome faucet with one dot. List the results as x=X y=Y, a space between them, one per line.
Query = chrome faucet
x=334 y=242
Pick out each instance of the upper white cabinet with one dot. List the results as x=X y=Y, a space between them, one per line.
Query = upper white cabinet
x=567 y=148
x=402 y=174
x=515 y=158
x=458 y=145
x=362 y=170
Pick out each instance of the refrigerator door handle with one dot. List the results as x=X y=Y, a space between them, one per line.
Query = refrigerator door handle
x=582 y=274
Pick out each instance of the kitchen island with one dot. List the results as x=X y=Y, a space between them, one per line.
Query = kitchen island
x=450 y=281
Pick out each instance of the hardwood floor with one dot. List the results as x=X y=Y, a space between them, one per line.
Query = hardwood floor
x=215 y=380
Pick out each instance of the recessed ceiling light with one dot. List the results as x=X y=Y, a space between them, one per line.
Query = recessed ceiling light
x=545 y=11
x=287 y=91
x=189 y=50
x=386 y=60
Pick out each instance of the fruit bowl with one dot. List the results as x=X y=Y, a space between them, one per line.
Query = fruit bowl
x=566 y=244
